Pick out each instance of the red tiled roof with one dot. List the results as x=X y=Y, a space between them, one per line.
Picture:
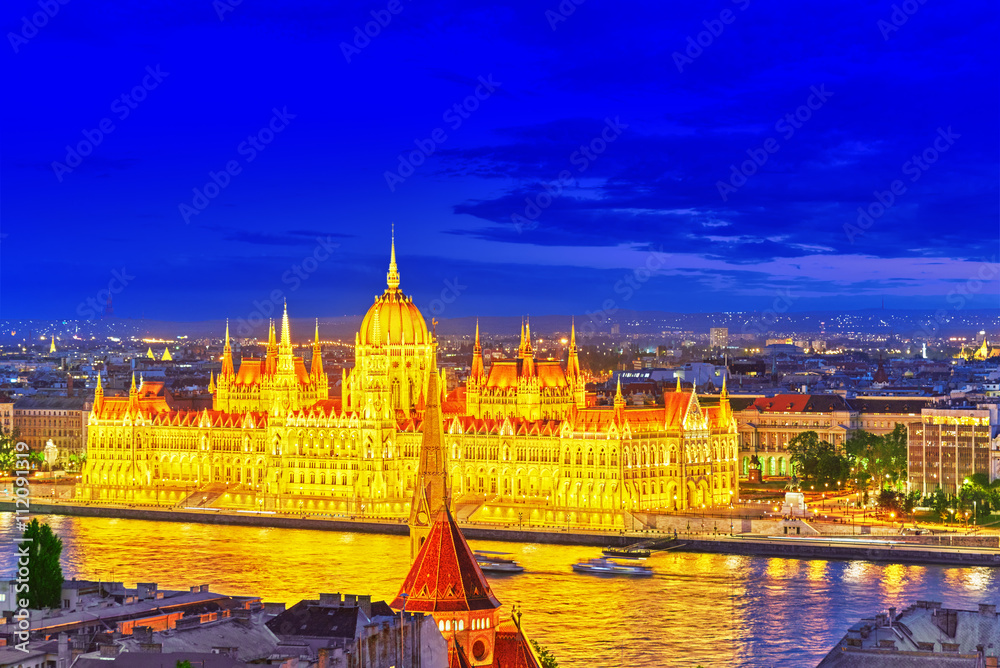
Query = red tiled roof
x=675 y=405
x=782 y=403
x=503 y=375
x=249 y=371
x=550 y=374
x=445 y=576
x=114 y=408
x=511 y=649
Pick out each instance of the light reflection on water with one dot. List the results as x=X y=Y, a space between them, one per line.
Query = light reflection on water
x=698 y=608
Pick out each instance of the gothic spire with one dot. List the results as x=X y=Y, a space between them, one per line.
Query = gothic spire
x=430 y=495
x=392 y=278
x=286 y=332
x=227 y=356
x=478 y=371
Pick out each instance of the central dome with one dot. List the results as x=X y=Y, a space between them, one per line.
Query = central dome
x=393 y=318
x=396 y=320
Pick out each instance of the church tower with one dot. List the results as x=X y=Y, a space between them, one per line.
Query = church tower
x=430 y=494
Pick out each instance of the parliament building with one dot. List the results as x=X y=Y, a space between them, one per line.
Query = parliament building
x=522 y=445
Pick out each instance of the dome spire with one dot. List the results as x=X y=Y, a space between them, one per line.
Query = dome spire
x=392 y=278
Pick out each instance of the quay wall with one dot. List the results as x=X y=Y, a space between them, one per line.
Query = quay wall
x=691 y=541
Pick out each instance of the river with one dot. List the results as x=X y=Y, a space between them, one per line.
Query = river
x=703 y=609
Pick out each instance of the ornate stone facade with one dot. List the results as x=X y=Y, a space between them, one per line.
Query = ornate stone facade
x=520 y=443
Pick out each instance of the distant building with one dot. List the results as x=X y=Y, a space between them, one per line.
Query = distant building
x=719 y=337
x=924 y=634
x=6 y=415
x=948 y=445
x=767 y=424
x=63 y=420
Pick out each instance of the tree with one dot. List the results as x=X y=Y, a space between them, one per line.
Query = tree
x=76 y=462
x=939 y=503
x=8 y=449
x=45 y=576
x=816 y=461
x=545 y=656
x=184 y=664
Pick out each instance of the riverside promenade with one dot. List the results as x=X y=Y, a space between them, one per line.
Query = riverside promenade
x=942 y=550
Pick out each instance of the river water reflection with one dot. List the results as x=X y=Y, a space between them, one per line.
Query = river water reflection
x=698 y=609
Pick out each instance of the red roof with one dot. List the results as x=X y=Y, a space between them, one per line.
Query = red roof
x=503 y=375
x=511 y=649
x=782 y=403
x=550 y=374
x=445 y=576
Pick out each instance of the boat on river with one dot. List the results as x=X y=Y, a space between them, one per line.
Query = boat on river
x=626 y=552
x=497 y=562
x=606 y=566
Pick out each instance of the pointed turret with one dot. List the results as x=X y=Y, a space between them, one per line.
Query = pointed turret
x=211 y=382
x=316 y=368
x=619 y=400
x=392 y=278
x=678 y=383
x=227 y=356
x=478 y=370
x=527 y=352
x=345 y=395
x=286 y=332
x=98 y=395
x=150 y=354
x=430 y=495
x=52 y=346
x=167 y=357
x=725 y=409
x=573 y=357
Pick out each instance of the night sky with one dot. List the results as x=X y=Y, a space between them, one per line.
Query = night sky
x=535 y=157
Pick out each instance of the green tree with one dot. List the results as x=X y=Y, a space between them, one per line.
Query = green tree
x=8 y=449
x=939 y=503
x=183 y=664
x=45 y=576
x=816 y=461
x=76 y=462
x=545 y=656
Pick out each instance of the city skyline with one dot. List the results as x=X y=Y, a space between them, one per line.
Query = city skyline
x=625 y=153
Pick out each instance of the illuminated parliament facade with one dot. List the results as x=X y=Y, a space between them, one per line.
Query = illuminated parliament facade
x=521 y=442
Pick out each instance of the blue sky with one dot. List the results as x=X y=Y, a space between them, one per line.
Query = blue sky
x=712 y=155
